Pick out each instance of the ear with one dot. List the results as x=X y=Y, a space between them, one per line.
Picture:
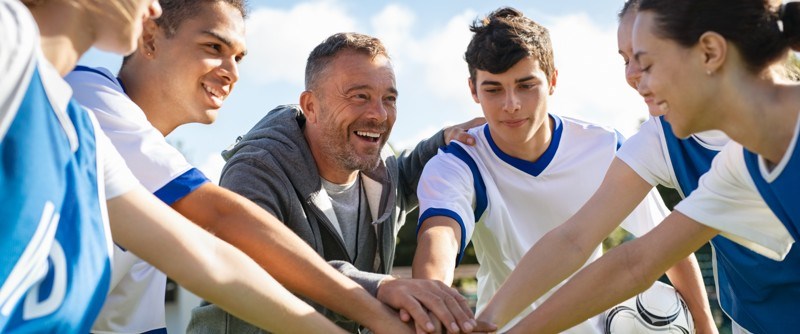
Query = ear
x=714 y=49
x=147 y=43
x=472 y=90
x=308 y=103
x=553 y=81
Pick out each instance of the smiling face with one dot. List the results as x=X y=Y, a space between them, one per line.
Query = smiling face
x=673 y=77
x=625 y=43
x=515 y=106
x=352 y=112
x=198 y=65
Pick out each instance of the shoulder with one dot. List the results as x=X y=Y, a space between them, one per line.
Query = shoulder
x=589 y=133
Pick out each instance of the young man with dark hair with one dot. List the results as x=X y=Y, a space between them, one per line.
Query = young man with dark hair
x=529 y=171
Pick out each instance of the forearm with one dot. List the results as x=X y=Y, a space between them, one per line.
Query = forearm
x=619 y=274
x=537 y=273
x=573 y=242
x=287 y=257
x=435 y=257
x=688 y=280
x=207 y=266
x=567 y=307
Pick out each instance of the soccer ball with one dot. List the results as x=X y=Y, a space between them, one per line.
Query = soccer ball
x=660 y=309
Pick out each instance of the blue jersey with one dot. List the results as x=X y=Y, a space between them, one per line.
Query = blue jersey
x=752 y=289
x=55 y=266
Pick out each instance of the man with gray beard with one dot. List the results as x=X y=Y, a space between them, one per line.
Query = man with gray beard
x=322 y=168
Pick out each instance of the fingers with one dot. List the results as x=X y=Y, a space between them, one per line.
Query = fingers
x=464 y=137
x=404 y=316
x=419 y=314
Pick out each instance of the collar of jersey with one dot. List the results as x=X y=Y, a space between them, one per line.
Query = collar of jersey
x=533 y=168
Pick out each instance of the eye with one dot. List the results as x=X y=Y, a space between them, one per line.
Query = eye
x=392 y=100
x=216 y=47
x=360 y=97
x=491 y=90
x=527 y=86
x=646 y=69
x=238 y=59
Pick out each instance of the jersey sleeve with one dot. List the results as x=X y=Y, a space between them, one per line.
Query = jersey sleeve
x=446 y=189
x=160 y=167
x=117 y=178
x=18 y=54
x=727 y=200
x=644 y=153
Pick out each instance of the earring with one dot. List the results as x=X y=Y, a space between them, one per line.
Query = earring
x=708 y=72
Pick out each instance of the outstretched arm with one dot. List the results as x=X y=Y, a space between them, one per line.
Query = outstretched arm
x=619 y=274
x=438 y=244
x=284 y=255
x=574 y=241
x=208 y=266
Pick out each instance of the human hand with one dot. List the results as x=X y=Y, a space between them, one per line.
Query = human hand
x=459 y=131
x=415 y=297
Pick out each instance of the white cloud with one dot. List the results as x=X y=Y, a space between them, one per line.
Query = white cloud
x=212 y=167
x=279 y=41
x=591 y=83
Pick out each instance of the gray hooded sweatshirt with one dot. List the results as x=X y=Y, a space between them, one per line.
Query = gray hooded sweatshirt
x=272 y=165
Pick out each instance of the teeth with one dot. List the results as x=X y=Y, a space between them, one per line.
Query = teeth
x=663 y=106
x=368 y=134
x=216 y=93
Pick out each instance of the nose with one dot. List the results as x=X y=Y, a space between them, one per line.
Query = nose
x=511 y=103
x=230 y=70
x=642 y=86
x=378 y=112
x=154 y=10
x=633 y=74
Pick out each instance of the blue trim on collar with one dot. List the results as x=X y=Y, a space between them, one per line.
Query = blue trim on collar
x=81 y=68
x=532 y=168
x=433 y=212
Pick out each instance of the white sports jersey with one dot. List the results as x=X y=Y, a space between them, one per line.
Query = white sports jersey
x=136 y=301
x=57 y=172
x=650 y=155
x=505 y=205
x=727 y=199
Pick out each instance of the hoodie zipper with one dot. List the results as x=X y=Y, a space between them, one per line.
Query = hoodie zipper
x=329 y=227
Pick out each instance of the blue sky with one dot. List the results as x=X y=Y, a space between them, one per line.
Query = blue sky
x=426 y=40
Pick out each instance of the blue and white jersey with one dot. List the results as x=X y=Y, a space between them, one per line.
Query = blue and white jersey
x=748 y=284
x=57 y=172
x=136 y=301
x=505 y=205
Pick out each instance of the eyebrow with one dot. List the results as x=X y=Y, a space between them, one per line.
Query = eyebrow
x=391 y=89
x=223 y=40
x=496 y=83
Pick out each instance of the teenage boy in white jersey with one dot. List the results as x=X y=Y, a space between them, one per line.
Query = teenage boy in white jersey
x=528 y=172
x=184 y=68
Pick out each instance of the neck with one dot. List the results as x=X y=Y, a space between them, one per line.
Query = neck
x=145 y=94
x=761 y=115
x=64 y=37
x=533 y=149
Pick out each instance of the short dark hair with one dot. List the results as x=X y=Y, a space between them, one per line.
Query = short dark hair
x=505 y=37
x=174 y=12
x=321 y=56
x=761 y=33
